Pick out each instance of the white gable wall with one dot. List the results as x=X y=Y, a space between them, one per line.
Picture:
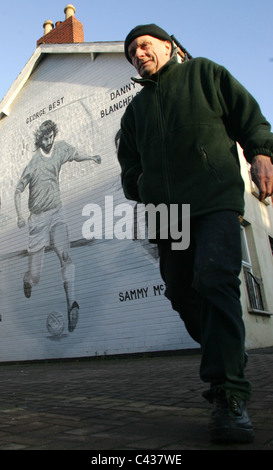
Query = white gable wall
x=117 y=282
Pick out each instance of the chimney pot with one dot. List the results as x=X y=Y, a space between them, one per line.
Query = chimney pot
x=48 y=26
x=69 y=11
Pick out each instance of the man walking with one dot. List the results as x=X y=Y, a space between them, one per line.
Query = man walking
x=178 y=146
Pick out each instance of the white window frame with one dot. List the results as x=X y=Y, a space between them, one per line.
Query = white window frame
x=252 y=283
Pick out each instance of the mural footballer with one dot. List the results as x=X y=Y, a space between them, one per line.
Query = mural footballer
x=47 y=224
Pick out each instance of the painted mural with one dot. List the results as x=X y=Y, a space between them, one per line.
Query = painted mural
x=47 y=224
x=74 y=282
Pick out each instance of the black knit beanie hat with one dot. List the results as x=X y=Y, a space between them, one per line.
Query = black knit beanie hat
x=145 y=30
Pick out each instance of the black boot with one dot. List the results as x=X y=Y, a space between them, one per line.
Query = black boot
x=73 y=316
x=229 y=420
x=27 y=289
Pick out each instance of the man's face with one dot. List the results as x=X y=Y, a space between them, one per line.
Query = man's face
x=149 y=54
x=47 y=142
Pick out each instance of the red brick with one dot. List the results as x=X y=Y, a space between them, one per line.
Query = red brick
x=66 y=32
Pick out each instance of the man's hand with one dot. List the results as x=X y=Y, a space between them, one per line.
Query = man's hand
x=262 y=175
x=21 y=222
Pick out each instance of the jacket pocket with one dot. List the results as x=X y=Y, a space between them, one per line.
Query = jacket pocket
x=208 y=164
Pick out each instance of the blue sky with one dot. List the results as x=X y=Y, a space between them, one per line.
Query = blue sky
x=234 y=33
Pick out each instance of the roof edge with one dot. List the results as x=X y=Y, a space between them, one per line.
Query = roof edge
x=43 y=49
x=84 y=47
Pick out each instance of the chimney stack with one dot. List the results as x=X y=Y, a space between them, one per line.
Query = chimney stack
x=65 y=32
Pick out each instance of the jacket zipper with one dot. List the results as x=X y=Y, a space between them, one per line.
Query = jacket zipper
x=164 y=150
x=211 y=168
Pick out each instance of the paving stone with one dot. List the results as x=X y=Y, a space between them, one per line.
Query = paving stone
x=125 y=404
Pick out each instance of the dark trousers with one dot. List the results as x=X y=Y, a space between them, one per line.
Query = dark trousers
x=203 y=286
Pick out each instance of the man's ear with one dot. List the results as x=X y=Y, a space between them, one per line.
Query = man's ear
x=168 y=46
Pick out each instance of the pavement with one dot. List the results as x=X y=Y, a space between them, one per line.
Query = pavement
x=139 y=403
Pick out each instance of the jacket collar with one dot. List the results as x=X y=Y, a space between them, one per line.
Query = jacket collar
x=154 y=78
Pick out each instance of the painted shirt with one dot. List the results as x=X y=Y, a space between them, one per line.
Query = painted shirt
x=42 y=176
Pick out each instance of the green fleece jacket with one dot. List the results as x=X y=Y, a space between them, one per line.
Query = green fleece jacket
x=181 y=131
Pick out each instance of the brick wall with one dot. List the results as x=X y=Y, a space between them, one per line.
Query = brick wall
x=68 y=31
